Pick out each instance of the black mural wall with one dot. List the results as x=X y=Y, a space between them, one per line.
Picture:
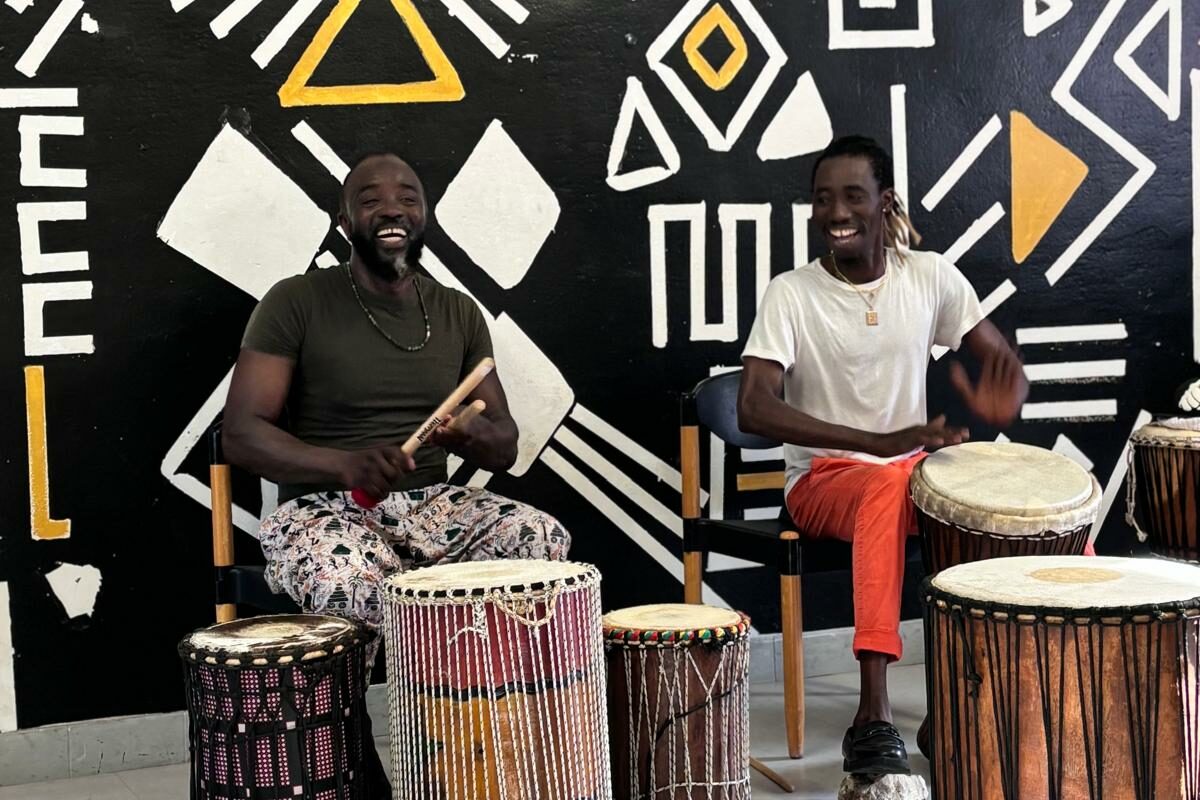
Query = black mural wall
x=613 y=182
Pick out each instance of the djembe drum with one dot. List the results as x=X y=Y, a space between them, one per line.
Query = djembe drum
x=678 y=702
x=496 y=682
x=990 y=499
x=1164 y=481
x=1064 y=678
x=276 y=708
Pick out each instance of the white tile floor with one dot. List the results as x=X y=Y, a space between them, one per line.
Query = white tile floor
x=832 y=700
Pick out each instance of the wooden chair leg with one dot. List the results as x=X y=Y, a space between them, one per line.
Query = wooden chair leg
x=693 y=576
x=793 y=662
x=222 y=528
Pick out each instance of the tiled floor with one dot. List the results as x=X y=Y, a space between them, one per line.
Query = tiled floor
x=831 y=703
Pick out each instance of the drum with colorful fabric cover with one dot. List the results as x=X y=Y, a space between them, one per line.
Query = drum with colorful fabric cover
x=276 y=706
x=678 y=702
x=1064 y=678
x=988 y=499
x=496 y=682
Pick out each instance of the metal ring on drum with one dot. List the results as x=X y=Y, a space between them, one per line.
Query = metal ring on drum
x=1064 y=678
x=984 y=500
x=678 y=702
x=1164 y=482
x=276 y=706
x=496 y=682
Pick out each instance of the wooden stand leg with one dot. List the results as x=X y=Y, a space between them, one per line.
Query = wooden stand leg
x=771 y=775
x=693 y=576
x=793 y=663
x=222 y=527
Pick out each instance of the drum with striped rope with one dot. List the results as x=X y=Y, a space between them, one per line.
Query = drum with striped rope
x=496 y=682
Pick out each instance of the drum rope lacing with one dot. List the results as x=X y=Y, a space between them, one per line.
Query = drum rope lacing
x=672 y=690
x=551 y=743
x=1131 y=485
x=1142 y=630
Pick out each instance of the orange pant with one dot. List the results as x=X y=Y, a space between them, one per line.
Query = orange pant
x=869 y=506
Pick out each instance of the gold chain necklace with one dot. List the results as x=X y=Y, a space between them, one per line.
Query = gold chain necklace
x=872 y=314
x=371 y=317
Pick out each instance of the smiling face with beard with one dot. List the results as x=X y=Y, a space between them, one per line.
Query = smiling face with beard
x=383 y=215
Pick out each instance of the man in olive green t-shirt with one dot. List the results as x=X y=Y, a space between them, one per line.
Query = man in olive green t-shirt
x=361 y=354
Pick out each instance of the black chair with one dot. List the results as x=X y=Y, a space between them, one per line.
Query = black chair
x=235 y=584
x=711 y=407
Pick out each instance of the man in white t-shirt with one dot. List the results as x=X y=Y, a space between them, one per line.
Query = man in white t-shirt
x=835 y=368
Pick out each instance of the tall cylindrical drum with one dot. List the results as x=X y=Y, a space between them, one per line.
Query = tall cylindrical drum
x=1164 y=490
x=1064 y=678
x=984 y=500
x=276 y=707
x=496 y=682
x=678 y=702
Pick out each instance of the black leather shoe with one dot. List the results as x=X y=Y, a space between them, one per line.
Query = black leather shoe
x=874 y=748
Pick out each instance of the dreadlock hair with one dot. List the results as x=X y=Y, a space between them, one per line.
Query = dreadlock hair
x=898 y=233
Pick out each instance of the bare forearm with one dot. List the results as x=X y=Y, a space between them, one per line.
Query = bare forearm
x=265 y=449
x=772 y=418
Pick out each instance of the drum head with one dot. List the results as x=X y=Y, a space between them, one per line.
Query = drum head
x=1072 y=582
x=1006 y=488
x=288 y=636
x=674 y=623
x=483 y=577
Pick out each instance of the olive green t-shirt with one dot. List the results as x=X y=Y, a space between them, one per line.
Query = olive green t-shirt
x=352 y=388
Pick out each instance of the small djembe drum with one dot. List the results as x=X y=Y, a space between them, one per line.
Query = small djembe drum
x=991 y=499
x=276 y=708
x=1064 y=678
x=678 y=702
x=496 y=682
x=1164 y=482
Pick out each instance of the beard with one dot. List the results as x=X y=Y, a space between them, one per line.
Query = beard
x=389 y=267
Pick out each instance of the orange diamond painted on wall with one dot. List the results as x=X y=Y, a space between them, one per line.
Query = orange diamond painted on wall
x=716 y=18
x=1045 y=175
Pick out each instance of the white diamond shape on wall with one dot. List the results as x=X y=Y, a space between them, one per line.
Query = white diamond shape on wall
x=498 y=209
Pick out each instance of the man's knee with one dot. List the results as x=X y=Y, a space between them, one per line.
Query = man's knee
x=535 y=534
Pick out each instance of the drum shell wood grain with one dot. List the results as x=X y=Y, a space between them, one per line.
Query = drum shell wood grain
x=945 y=544
x=1014 y=696
x=709 y=746
x=1168 y=498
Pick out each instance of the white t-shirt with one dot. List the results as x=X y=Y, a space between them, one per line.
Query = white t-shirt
x=845 y=372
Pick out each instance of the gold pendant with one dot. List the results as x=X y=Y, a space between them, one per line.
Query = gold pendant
x=872 y=317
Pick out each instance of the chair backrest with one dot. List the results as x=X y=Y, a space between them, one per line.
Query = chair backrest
x=713 y=405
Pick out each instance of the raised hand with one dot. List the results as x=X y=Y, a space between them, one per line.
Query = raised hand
x=1190 y=399
x=1000 y=392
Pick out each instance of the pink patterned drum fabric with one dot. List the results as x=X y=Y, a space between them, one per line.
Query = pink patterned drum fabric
x=275 y=708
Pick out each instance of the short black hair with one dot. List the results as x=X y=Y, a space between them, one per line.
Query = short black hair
x=861 y=147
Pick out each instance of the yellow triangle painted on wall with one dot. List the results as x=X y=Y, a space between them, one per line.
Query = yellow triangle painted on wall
x=1045 y=175
x=445 y=87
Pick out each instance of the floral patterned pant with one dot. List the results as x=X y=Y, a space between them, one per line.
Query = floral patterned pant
x=331 y=556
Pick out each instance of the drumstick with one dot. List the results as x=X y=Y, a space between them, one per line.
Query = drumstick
x=466 y=415
x=422 y=434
